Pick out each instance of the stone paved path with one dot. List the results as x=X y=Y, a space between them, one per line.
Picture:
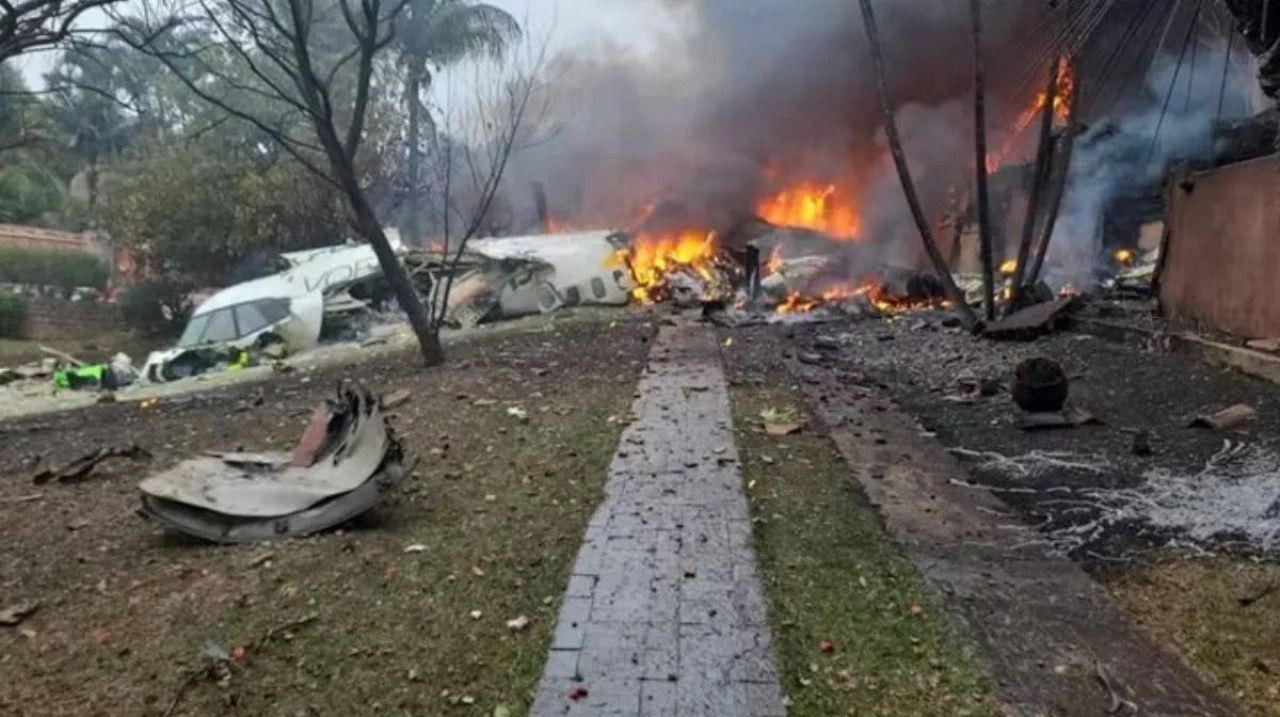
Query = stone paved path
x=664 y=614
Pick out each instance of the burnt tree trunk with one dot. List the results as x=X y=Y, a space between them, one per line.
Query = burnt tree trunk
x=936 y=258
x=540 y=204
x=1058 y=188
x=426 y=331
x=1043 y=152
x=980 y=151
x=367 y=225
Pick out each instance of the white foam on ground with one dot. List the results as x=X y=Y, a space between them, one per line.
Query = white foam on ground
x=1237 y=492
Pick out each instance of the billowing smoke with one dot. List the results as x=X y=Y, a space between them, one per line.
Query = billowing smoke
x=1133 y=151
x=753 y=97
x=756 y=96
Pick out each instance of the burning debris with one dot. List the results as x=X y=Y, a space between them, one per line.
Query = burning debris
x=344 y=465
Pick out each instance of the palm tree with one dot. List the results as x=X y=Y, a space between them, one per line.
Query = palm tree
x=430 y=35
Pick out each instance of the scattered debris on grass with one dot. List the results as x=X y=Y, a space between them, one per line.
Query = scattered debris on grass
x=781 y=421
x=352 y=461
x=1193 y=604
x=13 y=615
x=837 y=583
x=397 y=399
x=80 y=468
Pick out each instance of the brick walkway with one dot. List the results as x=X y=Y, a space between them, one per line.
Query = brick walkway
x=664 y=614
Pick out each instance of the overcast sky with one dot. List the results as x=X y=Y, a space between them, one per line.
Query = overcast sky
x=638 y=24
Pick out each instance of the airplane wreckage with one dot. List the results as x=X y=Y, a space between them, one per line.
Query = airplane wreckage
x=329 y=293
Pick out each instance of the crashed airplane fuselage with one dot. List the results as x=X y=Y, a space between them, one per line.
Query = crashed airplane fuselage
x=290 y=305
x=500 y=278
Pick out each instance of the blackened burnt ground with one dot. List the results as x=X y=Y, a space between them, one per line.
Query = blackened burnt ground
x=918 y=362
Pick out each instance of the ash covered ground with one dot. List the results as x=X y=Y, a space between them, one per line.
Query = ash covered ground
x=1092 y=496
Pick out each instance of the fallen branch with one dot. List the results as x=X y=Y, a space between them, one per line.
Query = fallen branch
x=221 y=661
x=1118 y=703
x=286 y=627
x=62 y=355
x=22 y=499
x=187 y=684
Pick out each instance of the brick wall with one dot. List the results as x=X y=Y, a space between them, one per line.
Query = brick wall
x=36 y=238
x=60 y=319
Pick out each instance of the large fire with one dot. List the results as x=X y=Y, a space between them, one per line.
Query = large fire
x=652 y=258
x=872 y=291
x=1061 y=112
x=812 y=206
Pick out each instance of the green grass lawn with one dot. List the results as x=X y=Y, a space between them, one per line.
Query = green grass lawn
x=856 y=631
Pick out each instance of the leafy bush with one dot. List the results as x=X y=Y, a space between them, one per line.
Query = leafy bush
x=13 y=309
x=64 y=270
x=160 y=306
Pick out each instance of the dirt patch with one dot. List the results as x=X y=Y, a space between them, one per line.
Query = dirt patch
x=856 y=630
x=404 y=612
x=1221 y=615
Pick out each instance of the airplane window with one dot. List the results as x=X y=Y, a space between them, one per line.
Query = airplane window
x=250 y=318
x=222 y=327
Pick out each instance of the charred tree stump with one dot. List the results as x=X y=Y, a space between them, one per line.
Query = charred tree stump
x=936 y=258
x=540 y=204
x=1043 y=152
x=980 y=147
x=1058 y=189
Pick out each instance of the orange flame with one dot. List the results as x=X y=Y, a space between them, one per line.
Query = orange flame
x=811 y=206
x=774 y=264
x=1061 y=112
x=870 y=289
x=652 y=259
x=796 y=303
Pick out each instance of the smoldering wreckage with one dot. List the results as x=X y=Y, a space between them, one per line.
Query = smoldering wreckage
x=801 y=253
x=348 y=458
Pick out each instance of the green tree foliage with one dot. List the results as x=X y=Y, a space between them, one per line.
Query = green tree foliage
x=29 y=194
x=189 y=210
x=63 y=270
x=13 y=310
x=158 y=306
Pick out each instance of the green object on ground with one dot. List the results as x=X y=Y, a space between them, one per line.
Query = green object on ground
x=77 y=376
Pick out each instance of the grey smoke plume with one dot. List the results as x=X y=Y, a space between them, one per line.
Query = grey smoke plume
x=1118 y=157
x=754 y=96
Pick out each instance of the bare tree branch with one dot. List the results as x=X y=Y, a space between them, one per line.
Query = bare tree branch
x=39 y=24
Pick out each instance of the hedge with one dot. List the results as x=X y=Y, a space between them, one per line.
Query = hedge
x=13 y=309
x=64 y=270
